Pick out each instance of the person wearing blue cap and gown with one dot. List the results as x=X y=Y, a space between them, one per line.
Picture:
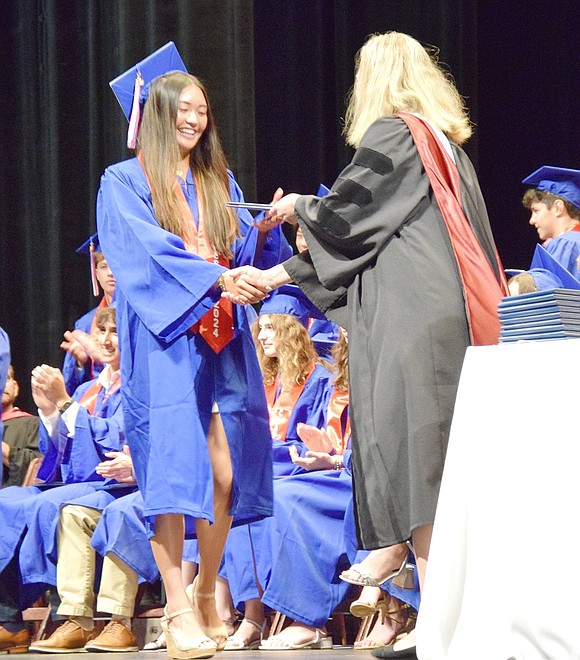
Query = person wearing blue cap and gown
x=322 y=331
x=78 y=367
x=196 y=414
x=402 y=255
x=554 y=203
x=297 y=387
x=75 y=435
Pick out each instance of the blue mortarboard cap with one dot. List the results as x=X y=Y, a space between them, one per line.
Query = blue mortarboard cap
x=289 y=299
x=163 y=60
x=560 y=181
x=544 y=261
x=322 y=190
x=132 y=87
x=90 y=246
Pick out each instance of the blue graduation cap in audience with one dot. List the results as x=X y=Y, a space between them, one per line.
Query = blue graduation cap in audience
x=89 y=247
x=322 y=190
x=289 y=299
x=561 y=181
x=545 y=268
x=132 y=87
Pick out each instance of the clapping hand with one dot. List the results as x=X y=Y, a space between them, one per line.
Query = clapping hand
x=312 y=460
x=119 y=467
x=75 y=348
x=315 y=439
x=48 y=388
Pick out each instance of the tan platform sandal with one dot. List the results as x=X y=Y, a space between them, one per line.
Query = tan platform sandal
x=178 y=650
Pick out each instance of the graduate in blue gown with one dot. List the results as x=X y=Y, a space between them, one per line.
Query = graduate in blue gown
x=79 y=367
x=297 y=386
x=75 y=436
x=554 y=203
x=195 y=410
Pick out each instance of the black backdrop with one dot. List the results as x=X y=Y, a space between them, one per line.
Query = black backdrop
x=278 y=72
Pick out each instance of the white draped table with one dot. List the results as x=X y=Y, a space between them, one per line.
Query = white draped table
x=503 y=578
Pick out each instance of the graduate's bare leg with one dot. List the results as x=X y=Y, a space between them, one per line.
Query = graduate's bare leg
x=167 y=546
x=212 y=538
x=421 y=542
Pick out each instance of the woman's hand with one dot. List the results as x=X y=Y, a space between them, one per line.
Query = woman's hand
x=269 y=222
x=284 y=208
x=254 y=284
x=312 y=460
x=315 y=439
x=244 y=285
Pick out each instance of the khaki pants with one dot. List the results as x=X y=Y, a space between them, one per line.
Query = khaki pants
x=75 y=569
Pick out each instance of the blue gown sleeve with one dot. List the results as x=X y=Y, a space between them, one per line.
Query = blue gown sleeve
x=150 y=263
x=566 y=250
x=276 y=248
x=78 y=454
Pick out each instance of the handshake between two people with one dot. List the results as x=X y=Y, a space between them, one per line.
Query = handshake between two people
x=247 y=284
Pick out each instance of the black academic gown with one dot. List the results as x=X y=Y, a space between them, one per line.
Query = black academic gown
x=381 y=264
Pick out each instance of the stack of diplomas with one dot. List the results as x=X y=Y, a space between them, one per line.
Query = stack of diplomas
x=542 y=315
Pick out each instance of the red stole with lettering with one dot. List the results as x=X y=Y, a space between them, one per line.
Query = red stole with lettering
x=482 y=290
x=217 y=326
x=282 y=405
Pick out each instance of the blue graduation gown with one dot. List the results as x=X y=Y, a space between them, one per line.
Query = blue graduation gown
x=309 y=409
x=74 y=377
x=566 y=249
x=170 y=376
x=324 y=335
x=122 y=532
x=76 y=456
x=243 y=542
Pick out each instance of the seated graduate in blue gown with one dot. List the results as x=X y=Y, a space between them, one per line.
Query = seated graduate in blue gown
x=79 y=367
x=554 y=203
x=297 y=387
x=196 y=415
x=75 y=436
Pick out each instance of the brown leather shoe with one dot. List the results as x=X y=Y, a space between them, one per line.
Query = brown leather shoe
x=17 y=642
x=115 y=637
x=68 y=638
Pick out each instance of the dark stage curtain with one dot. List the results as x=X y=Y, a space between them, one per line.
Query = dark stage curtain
x=61 y=126
x=278 y=72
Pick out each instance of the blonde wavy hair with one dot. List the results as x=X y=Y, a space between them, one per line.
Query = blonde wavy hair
x=394 y=73
x=296 y=353
x=159 y=153
x=340 y=365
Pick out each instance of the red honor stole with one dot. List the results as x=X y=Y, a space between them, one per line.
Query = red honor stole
x=281 y=406
x=90 y=397
x=482 y=289
x=217 y=325
x=15 y=413
x=336 y=408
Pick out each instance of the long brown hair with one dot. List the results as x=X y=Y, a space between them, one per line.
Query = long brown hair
x=296 y=353
x=160 y=154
